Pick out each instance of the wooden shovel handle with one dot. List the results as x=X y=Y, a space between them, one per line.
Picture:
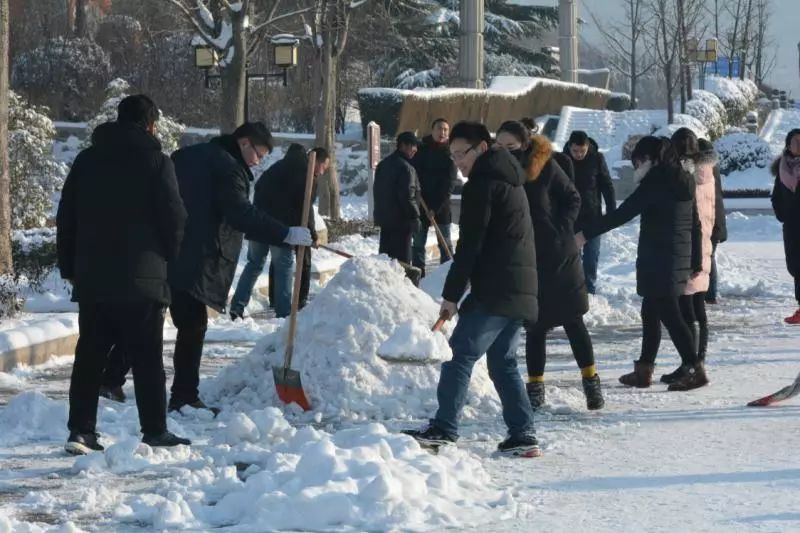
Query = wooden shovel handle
x=439 y=323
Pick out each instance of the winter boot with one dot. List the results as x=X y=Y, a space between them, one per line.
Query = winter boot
x=672 y=377
x=794 y=319
x=165 y=440
x=694 y=378
x=535 y=394
x=114 y=394
x=520 y=446
x=641 y=377
x=594 y=393
x=82 y=443
x=430 y=437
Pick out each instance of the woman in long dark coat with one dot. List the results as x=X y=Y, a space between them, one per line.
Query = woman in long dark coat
x=554 y=204
x=668 y=253
x=786 y=204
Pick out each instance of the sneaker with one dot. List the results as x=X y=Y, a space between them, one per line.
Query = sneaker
x=82 y=443
x=594 y=393
x=694 y=378
x=522 y=446
x=794 y=319
x=114 y=394
x=175 y=407
x=672 y=377
x=535 y=394
x=236 y=315
x=165 y=440
x=430 y=436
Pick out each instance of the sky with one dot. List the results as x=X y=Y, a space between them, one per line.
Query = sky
x=785 y=32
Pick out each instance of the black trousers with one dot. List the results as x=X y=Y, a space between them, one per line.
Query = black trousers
x=693 y=309
x=135 y=330
x=190 y=317
x=536 y=346
x=396 y=243
x=665 y=310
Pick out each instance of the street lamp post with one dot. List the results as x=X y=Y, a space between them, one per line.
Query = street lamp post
x=284 y=56
x=702 y=56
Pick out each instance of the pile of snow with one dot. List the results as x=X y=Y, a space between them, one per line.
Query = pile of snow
x=412 y=341
x=778 y=124
x=31 y=416
x=339 y=335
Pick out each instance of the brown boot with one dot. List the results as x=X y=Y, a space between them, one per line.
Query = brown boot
x=694 y=378
x=641 y=377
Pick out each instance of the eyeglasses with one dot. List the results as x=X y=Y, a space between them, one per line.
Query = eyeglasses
x=458 y=155
x=259 y=155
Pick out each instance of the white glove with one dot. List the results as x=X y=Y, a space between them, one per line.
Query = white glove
x=298 y=236
x=448 y=310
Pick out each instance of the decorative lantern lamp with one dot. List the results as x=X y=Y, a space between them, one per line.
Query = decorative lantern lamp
x=285 y=48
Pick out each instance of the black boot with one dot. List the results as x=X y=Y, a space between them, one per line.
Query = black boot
x=594 y=393
x=535 y=394
x=694 y=378
x=82 y=443
x=113 y=393
x=166 y=440
x=175 y=406
x=672 y=377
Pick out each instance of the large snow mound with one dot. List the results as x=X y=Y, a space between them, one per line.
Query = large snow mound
x=339 y=335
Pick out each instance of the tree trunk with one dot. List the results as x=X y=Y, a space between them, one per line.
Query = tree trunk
x=325 y=124
x=670 y=89
x=6 y=263
x=634 y=65
x=746 y=39
x=682 y=78
x=234 y=78
x=80 y=19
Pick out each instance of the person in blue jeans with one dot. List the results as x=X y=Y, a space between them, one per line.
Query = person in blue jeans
x=497 y=256
x=280 y=192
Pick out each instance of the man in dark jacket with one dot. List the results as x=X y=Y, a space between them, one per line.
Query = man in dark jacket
x=593 y=182
x=396 y=209
x=280 y=192
x=496 y=253
x=437 y=175
x=719 y=233
x=120 y=220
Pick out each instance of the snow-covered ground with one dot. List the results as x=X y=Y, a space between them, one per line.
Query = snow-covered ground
x=650 y=461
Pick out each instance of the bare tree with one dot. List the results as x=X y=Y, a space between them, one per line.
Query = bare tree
x=6 y=263
x=747 y=39
x=235 y=30
x=732 y=39
x=764 y=53
x=664 y=38
x=80 y=18
x=625 y=41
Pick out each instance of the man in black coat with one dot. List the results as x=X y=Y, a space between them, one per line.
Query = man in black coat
x=280 y=192
x=396 y=190
x=437 y=175
x=593 y=182
x=120 y=220
x=496 y=254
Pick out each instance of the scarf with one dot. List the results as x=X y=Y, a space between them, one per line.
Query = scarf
x=789 y=171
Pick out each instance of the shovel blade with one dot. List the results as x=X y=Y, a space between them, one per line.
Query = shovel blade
x=290 y=390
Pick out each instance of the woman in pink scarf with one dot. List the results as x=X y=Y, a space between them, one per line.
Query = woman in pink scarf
x=786 y=204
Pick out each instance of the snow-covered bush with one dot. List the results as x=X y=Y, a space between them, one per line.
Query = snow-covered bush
x=35 y=174
x=708 y=109
x=10 y=303
x=736 y=95
x=168 y=131
x=741 y=151
x=66 y=75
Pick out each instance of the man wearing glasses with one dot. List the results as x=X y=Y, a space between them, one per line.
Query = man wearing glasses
x=496 y=254
x=214 y=180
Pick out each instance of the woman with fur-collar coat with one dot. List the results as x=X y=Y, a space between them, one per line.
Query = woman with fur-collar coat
x=563 y=300
x=786 y=205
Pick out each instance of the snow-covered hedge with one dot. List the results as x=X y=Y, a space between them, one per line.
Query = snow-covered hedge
x=35 y=175
x=381 y=105
x=168 y=131
x=742 y=151
x=708 y=109
x=736 y=95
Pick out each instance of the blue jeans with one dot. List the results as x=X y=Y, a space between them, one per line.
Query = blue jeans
x=419 y=258
x=591 y=256
x=282 y=272
x=476 y=333
x=256 y=259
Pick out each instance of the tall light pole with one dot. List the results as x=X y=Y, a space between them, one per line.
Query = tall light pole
x=470 y=50
x=568 y=39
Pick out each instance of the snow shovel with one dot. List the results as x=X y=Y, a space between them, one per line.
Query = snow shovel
x=439 y=235
x=287 y=381
x=413 y=360
x=413 y=273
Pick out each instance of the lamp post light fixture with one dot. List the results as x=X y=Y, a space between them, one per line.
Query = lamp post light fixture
x=284 y=56
x=701 y=56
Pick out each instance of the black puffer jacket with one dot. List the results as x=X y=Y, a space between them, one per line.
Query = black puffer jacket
x=215 y=186
x=554 y=204
x=594 y=184
x=496 y=251
x=786 y=205
x=437 y=175
x=669 y=239
x=396 y=189
x=120 y=218
x=281 y=189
